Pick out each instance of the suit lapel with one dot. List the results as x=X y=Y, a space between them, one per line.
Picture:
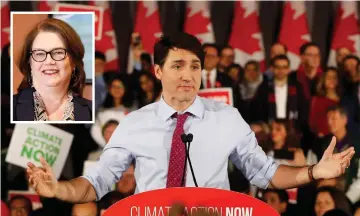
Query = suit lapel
x=25 y=106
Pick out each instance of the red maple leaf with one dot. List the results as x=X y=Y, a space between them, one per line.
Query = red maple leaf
x=343 y=29
x=148 y=27
x=196 y=24
x=292 y=30
x=243 y=30
x=5 y=23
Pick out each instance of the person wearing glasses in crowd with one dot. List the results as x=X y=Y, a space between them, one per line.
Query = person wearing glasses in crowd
x=51 y=62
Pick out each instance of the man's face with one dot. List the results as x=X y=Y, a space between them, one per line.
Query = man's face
x=227 y=57
x=281 y=69
x=272 y=199
x=180 y=76
x=336 y=121
x=85 y=209
x=99 y=66
x=277 y=49
x=251 y=73
x=311 y=57
x=341 y=53
x=109 y=130
x=18 y=207
x=211 y=58
x=350 y=66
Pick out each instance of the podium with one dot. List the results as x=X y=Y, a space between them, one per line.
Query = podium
x=220 y=202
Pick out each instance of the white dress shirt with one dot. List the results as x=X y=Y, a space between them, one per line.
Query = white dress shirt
x=220 y=134
x=281 y=93
x=212 y=78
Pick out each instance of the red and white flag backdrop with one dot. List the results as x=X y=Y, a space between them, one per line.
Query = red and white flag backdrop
x=197 y=21
x=246 y=37
x=107 y=44
x=347 y=31
x=5 y=23
x=147 y=24
x=294 y=30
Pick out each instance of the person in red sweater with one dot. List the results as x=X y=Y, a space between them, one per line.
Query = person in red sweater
x=328 y=94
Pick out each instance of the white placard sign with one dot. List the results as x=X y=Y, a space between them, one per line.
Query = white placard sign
x=29 y=142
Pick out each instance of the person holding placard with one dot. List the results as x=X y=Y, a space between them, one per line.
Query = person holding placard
x=51 y=62
x=152 y=136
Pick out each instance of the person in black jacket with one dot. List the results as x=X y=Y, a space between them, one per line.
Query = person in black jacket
x=284 y=97
x=51 y=61
x=210 y=76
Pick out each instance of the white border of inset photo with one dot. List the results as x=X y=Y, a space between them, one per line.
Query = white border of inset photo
x=12 y=69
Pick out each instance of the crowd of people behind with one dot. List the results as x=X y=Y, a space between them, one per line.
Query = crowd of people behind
x=293 y=114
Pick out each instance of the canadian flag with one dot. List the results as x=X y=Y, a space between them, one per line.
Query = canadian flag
x=46 y=5
x=5 y=23
x=347 y=33
x=107 y=44
x=294 y=30
x=147 y=24
x=246 y=38
x=198 y=22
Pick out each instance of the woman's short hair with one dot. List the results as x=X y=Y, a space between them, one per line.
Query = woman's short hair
x=320 y=88
x=74 y=48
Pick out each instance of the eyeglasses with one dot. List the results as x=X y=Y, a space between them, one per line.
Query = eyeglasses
x=57 y=54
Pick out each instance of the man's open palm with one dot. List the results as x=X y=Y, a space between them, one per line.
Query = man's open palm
x=42 y=179
x=333 y=165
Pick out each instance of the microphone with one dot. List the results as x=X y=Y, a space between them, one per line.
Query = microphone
x=188 y=139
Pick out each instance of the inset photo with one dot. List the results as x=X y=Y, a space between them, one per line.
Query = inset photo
x=52 y=68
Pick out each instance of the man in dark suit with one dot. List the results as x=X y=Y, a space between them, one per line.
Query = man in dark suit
x=211 y=77
x=284 y=98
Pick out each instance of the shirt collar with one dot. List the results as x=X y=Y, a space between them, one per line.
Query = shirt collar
x=164 y=111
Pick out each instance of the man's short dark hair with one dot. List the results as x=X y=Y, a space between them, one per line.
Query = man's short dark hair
x=28 y=203
x=357 y=59
x=145 y=57
x=279 y=57
x=107 y=124
x=253 y=62
x=179 y=40
x=282 y=44
x=337 y=108
x=282 y=194
x=304 y=47
x=206 y=45
x=100 y=55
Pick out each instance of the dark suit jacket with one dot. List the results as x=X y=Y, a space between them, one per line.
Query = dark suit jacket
x=23 y=107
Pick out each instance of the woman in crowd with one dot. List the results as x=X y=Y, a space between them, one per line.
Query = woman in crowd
x=248 y=88
x=285 y=144
x=234 y=71
x=328 y=94
x=148 y=89
x=329 y=198
x=53 y=84
x=118 y=103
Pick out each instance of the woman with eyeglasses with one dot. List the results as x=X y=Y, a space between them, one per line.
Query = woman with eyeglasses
x=51 y=61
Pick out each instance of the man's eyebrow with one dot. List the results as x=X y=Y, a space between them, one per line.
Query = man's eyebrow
x=178 y=61
x=195 y=61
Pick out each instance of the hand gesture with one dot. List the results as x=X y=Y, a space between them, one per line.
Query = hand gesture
x=333 y=165
x=42 y=179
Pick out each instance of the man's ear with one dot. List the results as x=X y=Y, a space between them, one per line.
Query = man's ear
x=158 y=71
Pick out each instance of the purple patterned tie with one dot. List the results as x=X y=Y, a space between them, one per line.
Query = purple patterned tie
x=177 y=154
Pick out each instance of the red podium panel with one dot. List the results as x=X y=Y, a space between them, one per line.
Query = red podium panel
x=222 y=202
